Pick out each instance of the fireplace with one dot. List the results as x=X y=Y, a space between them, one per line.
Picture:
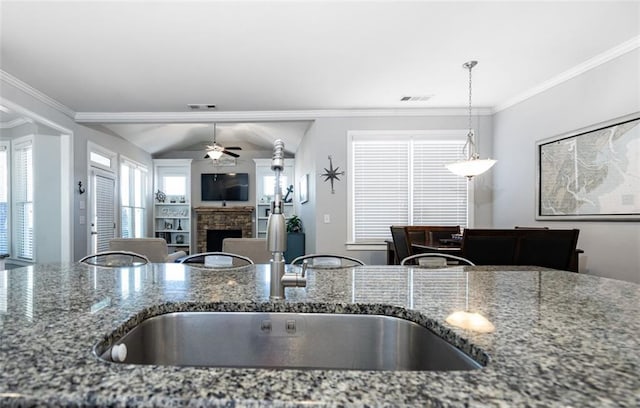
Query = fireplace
x=221 y=219
x=215 y=237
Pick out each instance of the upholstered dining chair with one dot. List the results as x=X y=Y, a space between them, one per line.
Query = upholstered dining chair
x=217 y=260
x=552 y=248
x=115 y=259
x=490 y=246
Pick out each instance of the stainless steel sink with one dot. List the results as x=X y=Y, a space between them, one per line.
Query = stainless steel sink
x=289 y=340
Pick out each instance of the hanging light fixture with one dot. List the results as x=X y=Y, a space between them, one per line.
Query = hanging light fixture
x=473 y=165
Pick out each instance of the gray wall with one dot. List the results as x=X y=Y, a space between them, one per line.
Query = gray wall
x=328 y=136
x=612 y=249
x=58 y=122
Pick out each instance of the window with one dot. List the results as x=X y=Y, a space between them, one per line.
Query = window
x=22 y=196
x=4 y=197
x=400 y=178
x=133 y=192
x=100 y=159
x=269 y=185
x=174 y=185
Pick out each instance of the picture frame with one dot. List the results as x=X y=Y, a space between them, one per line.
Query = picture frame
x=590 y=173
x=304 y=188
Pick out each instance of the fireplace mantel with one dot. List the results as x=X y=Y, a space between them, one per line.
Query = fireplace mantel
x=220 y=218
x=203 y=210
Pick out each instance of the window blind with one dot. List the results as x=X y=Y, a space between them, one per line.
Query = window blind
x=22 y=193
x=4 y=199
x=439 y=196
x=104 y=212
x=401 y=179
x=380 y=194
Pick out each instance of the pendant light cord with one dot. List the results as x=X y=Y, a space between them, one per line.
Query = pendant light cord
x=471 y=155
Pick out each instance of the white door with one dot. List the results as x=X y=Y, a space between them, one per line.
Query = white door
x=103 y=210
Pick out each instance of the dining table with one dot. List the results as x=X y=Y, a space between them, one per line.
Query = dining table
x=446 y=246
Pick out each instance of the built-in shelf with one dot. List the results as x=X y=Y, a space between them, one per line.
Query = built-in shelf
x=172 y=216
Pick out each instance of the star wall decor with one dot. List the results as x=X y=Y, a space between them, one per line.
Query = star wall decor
x=332 y=174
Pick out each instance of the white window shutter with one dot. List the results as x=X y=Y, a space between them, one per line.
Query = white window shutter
x=22 y=193
x=4 y=200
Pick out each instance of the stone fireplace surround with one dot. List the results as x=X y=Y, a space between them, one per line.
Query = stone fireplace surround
x=221 y=218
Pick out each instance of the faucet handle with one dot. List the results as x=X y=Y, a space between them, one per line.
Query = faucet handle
x=304 y=268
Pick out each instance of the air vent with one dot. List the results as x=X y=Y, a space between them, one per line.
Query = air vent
x=201 y=106
x=416 y=98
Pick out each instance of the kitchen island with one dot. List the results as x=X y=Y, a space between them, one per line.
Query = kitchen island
x=561 y=339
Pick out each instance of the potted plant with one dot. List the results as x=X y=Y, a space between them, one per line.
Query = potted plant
x=294 y=224
x=295 y=239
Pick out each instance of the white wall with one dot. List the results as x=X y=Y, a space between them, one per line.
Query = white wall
x=612 y=249
x=328 y=136
x=47 y=181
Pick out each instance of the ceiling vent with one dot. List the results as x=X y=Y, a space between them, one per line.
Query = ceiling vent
x=201 y=106
x=415 y=98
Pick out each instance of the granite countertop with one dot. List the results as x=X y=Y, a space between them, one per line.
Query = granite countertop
x=561 y=339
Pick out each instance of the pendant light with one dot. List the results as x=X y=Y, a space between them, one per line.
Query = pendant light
x=473 y=166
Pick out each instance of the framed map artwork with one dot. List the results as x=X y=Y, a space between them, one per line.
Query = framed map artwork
x=591 y=174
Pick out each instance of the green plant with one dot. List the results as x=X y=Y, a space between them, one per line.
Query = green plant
x=294 y=224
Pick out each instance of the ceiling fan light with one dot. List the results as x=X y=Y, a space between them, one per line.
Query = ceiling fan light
x=470 y=168
x=214 y=154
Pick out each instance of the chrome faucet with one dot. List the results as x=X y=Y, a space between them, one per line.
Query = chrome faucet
x=277 y=234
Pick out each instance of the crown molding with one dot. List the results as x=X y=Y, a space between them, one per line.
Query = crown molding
x=28 y=89
x=15 y=123
x=579 y=69
x=195 y=117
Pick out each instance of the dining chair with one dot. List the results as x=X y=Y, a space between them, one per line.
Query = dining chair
x=435 y=259
x=217 y=260
x=115 y=259
x=551 y=248
x=490 y=246
x=327 y=261
x=400 y=242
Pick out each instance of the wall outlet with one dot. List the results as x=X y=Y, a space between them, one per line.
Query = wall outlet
x=327 y=218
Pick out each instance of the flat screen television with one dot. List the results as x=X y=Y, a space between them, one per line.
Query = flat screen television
x=225 y=186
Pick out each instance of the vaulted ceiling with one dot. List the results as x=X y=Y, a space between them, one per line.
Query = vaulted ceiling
x=116 y=62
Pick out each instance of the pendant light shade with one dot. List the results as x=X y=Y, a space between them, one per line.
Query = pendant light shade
x=473 y=166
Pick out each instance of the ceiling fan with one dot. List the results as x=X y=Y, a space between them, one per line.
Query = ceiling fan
x=215 y=151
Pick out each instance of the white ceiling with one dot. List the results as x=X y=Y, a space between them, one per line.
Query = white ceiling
x=105 y=58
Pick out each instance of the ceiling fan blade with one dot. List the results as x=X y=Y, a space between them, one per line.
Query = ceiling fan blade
x=206 y=156
x=230 y=153
x=234 y=148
